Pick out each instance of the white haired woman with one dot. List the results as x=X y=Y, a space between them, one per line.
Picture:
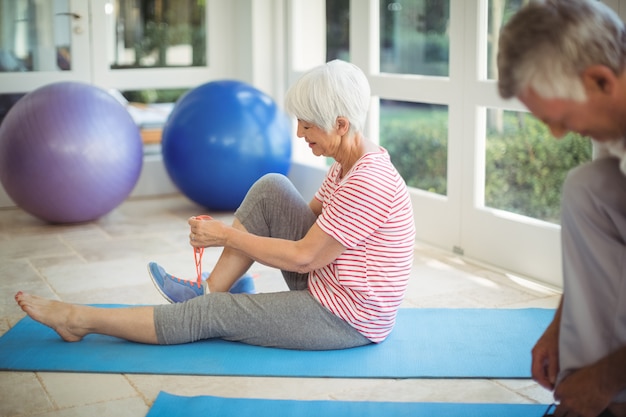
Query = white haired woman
x=345 y=256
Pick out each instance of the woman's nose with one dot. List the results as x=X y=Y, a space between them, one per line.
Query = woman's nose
x=299 y=131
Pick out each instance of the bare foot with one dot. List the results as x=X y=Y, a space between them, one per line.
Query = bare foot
x=59 y=316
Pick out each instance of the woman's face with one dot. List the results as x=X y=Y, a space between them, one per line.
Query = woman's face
x=319 y=141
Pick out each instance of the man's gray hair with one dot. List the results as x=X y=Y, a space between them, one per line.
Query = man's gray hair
x=549 y=43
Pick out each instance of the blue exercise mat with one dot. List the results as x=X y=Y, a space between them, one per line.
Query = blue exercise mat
x=168 y=405
x=426 y=343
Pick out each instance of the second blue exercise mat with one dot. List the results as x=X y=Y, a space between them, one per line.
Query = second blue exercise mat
x=426 y=343
x=167 y=405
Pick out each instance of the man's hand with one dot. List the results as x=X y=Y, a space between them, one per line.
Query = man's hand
x=545 y=354
x=545 y=358
x=582 y=393
x=591 y=389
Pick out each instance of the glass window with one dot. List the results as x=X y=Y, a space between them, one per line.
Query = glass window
x=35 y=36
x=500 y=11
x=338 y=30
x=525 y=166
x=157 y=33
x=414 y=37
x=416 y=137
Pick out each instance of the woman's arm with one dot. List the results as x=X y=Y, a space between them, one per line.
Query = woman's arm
x=316 y=206
x=315 y=250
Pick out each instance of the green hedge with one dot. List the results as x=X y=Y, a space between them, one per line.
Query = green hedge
x=525 y=165
x=417 y=141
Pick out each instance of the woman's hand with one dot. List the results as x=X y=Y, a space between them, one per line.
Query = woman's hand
x=206 y=232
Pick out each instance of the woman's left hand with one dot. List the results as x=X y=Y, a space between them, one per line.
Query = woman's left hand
x=206 y=232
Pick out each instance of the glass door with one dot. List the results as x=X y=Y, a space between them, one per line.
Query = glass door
x=415 y=83
x=485 y=175
x=407 y=50
x=512 y=216
x=43 y=42
x=147 y=44
x=120 y=44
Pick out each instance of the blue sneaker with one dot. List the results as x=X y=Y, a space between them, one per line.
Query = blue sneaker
x=174 y=290
x=244 y=285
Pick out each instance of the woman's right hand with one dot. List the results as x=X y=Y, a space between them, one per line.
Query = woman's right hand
x=206 y=232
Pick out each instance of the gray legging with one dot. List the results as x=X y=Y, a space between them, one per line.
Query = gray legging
x=290 y=319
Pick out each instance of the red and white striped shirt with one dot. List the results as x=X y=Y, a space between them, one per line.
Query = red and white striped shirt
x=369 y=212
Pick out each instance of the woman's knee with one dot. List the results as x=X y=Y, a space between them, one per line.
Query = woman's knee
x=270 y=187
x=273 y=207
x=271 y=184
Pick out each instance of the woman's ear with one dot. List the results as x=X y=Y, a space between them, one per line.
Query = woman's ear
x=599 y=79
x=343 y=125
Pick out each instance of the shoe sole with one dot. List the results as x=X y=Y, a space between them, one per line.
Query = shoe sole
x=157 y=286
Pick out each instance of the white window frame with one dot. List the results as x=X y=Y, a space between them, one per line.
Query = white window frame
x=458 y=221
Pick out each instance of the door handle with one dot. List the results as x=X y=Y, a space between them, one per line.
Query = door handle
x=75 y=16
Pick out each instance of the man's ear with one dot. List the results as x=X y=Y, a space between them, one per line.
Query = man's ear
x=599 y=79
x=343 y=125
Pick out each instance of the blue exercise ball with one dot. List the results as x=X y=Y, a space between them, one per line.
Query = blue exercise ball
x=220 y=138
x=69 y=152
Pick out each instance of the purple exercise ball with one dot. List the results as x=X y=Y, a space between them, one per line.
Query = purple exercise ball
x=69 y=153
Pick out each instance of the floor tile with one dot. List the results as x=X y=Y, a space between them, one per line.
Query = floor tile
x=75 y=389
x=129 y=407
x=21 y=394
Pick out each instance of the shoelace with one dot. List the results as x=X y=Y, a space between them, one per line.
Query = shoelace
x=186 y=281
x=198 y=252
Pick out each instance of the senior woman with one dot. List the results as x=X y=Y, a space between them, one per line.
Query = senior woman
x=345 y=256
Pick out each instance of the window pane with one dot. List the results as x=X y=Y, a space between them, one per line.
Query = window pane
x=35 y=36
x=500 y=11
x=338 y=30
x=525 y=166
x=416 y=137
x=157 y=33
x=414 y=37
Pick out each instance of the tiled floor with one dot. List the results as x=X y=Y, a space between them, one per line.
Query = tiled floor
x=105 y=262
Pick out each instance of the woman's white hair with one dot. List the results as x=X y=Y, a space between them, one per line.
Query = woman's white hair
x=549 y=43
x=332 y=90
